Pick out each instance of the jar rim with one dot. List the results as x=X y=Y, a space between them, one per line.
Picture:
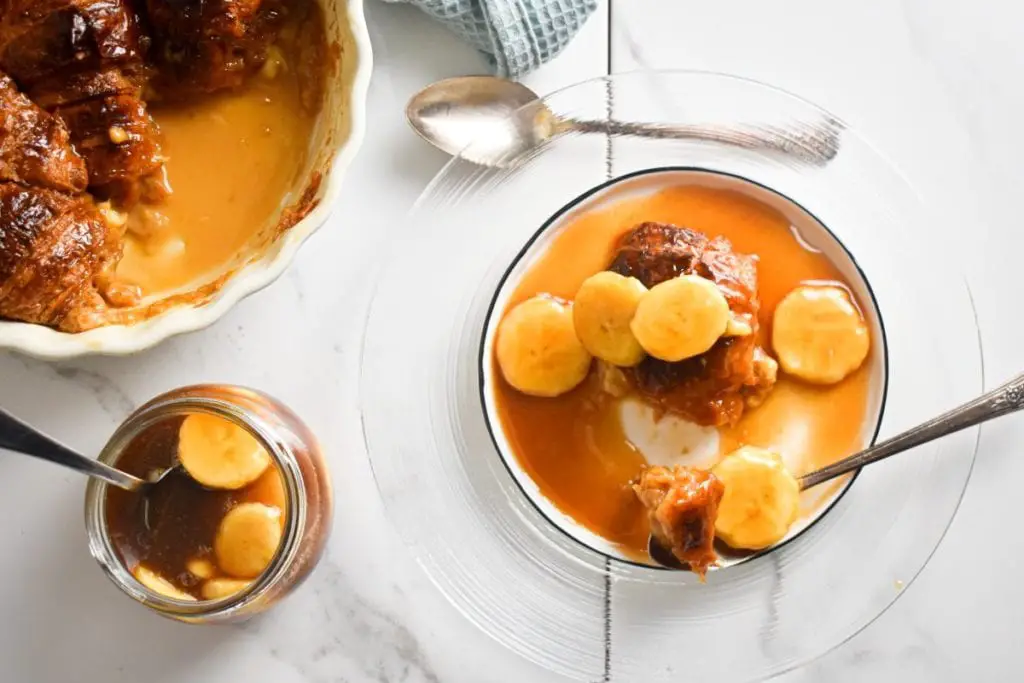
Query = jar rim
x=101 y=546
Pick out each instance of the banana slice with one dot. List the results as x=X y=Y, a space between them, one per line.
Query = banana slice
x=158 y=584
x=218 y=453
x=247 y=539
x=215 y=589
x=762 y=499
x=819 y=335
x=601 y=313
x=268 y=489
x=680 y=318
x=201 y=568
x=537 y=348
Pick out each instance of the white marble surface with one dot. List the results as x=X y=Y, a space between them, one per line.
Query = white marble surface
x=935 y=82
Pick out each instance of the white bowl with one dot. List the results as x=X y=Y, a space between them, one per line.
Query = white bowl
x=702 y=443
x=338 y=136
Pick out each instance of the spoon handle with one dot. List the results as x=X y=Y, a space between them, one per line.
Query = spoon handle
x=1008 y=398
x=17 y=436
x=816 y=144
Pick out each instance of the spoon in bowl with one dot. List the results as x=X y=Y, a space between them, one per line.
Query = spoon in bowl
x=1006 y=399
x=473 y=117
x=19 y=437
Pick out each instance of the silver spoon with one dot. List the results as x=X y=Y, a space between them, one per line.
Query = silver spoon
x=19 y=437
x=1009 y=398
x=472 y=116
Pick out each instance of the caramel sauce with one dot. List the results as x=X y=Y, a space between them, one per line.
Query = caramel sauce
x=231 y=161
x=574 y=446
x=183 y=516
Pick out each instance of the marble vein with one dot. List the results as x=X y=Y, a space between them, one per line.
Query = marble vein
x=344 y=638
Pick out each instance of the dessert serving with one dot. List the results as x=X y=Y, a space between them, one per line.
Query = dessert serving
x=149 y=149
x=524 y=509
x=669 y=361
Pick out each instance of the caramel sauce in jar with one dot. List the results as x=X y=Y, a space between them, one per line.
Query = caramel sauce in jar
x=170 y=530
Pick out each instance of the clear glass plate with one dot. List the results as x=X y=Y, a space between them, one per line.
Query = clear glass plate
x=497 y=557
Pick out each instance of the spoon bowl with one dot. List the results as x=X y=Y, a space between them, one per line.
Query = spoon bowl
x=472 y=117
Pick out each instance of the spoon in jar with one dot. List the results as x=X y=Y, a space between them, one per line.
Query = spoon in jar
x=19 y=437
x=474 y=117
x=1006 y=399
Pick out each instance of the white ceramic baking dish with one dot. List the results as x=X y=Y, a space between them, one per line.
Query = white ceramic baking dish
x=337 y=139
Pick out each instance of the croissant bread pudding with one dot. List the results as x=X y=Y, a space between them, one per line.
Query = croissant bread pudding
x=671 y=362
x=142 y=142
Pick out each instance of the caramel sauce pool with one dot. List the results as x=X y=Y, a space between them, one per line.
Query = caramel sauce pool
x=574 y=447
x=231 y=160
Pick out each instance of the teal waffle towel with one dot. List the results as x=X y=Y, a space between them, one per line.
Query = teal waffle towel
x=516 y=36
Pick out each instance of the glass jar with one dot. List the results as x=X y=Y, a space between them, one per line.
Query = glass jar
x=305 y=480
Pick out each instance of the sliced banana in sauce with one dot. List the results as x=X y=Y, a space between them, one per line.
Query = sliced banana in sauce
x=604 y=306
x=216 y=589
x=218 y=453
x=158 y=584
x=269 y=489
x=761 y=501
x=681 y=318
x=537 y=348
x=201 y=568
x=819 y=335
x=247 y=539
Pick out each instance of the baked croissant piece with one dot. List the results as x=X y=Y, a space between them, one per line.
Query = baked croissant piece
x=82 y=61
x=682 y=504
x=57 y=249
x=201 y=46
x=57 y=255
x=111 y=128
x=715 y=387
x=35 y=148
x=43 y=38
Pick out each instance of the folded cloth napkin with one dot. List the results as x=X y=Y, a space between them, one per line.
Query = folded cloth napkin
x=516 y=36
